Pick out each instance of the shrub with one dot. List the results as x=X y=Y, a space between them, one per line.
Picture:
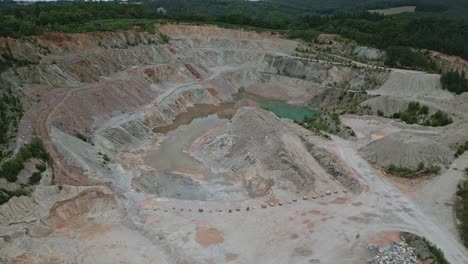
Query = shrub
x=401 y=171
x=41 y=167
x=454 y=82
x=405 y=171
x=418 y=114
x=35 y=178
x=82 y=137
x=461 y=149
x=440 y=119
x=424 y=110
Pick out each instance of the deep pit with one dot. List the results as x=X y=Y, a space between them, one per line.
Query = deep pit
x=159 y=148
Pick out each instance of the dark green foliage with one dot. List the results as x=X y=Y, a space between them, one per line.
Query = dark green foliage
x=12 y=167
x=462 y=209
x=41 y=167
x=380 y=113
x=424 y=110
x=5 y=195
x=10 y=112
x=454 y=81
x=439 y=119
x=400 y=171
x=404 y=171
x=404 y=57
x=384 y=32
x=7 y=61
x=418 y=114
x=35 y=178
x=164 y=38
x=105 y=158
x=65 y=17
x=422 y=245
x=82 y=137
x=461 y=149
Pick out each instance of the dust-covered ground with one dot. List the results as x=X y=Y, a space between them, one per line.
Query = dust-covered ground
x=177 y=170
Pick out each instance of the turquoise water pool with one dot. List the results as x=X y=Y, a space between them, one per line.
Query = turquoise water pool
x=279 y=108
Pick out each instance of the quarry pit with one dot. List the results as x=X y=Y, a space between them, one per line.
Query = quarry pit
x=188 y=152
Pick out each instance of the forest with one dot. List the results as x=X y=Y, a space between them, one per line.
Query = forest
x=437 y=33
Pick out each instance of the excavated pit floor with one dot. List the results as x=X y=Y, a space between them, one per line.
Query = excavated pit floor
x=170 y=159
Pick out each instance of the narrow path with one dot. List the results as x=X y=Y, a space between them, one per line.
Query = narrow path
x=63 y=173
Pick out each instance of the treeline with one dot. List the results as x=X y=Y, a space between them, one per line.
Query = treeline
x=404 y=57
x=442 y=34
x=454 y=82
x=445 y=35
x=42 y=17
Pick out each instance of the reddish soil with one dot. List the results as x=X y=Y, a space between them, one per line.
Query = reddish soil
x=206 y=236
x=385 y=238
x=231 y=257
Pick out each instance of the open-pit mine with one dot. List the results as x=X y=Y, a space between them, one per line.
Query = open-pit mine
x=191 y=150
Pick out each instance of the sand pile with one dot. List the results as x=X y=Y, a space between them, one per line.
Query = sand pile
x=407 y=150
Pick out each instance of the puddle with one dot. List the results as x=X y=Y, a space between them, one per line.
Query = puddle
x=170 y=155
x=279 y=108
x=198 y=182
x=223 y=111
x=227 y=110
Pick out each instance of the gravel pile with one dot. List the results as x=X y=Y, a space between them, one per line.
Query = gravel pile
x=395 y=253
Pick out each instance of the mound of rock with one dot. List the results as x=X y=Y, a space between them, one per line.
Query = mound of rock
x=395 y=253
x=407 y=150
x=269 y=155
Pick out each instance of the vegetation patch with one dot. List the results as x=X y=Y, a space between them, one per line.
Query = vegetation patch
x=11 y=111
x=11 y=168
x=419 y=114
x=405 y=57
x=84 y=138
x=412 y=172
x=454 y=82
x=425 y=250
x=462 y=209
x=6 y=195
x=461 y=149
